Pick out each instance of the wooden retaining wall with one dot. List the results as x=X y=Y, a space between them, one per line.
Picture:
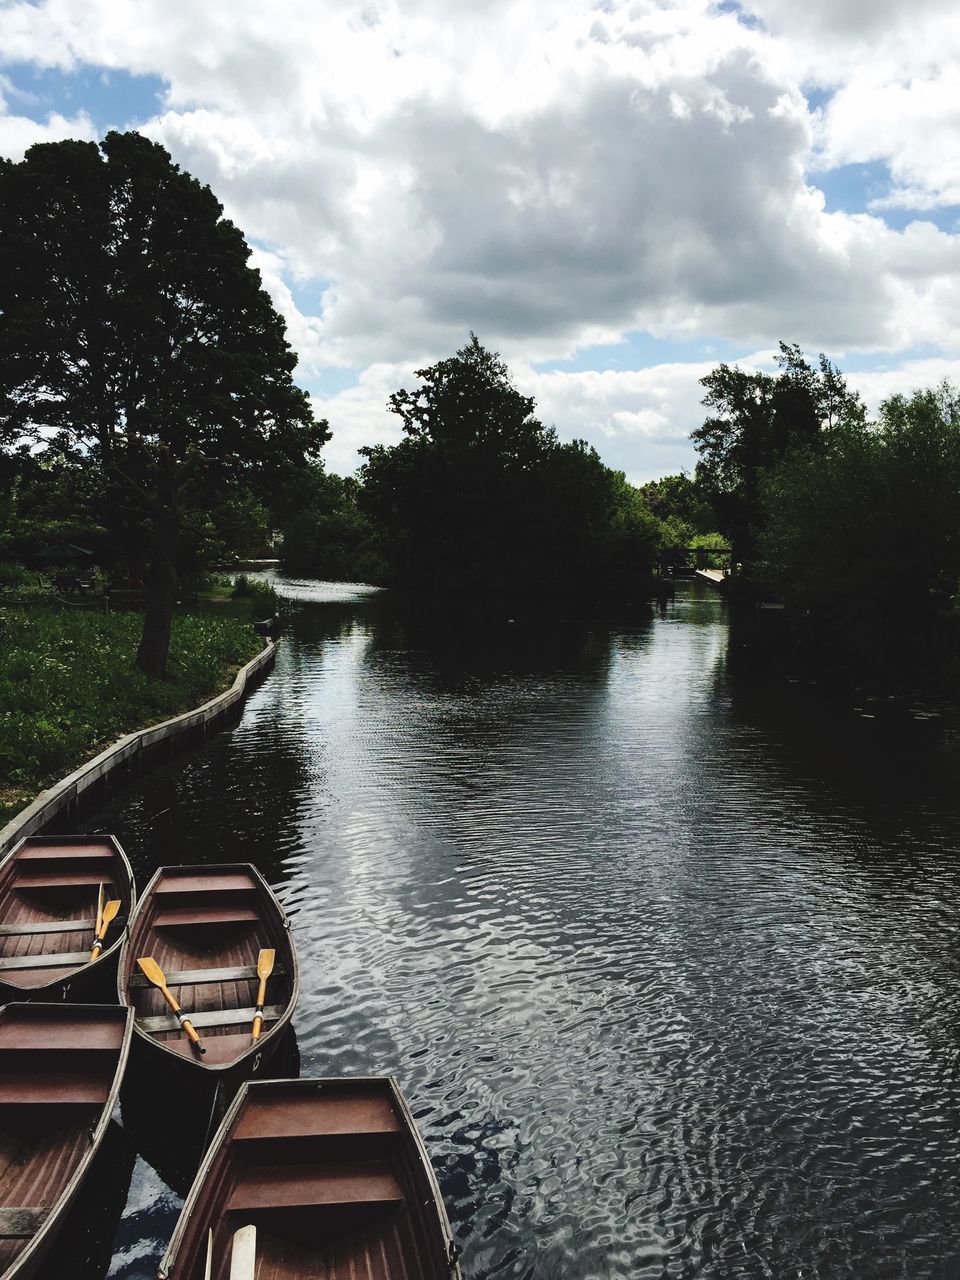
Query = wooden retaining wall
x=133 y=752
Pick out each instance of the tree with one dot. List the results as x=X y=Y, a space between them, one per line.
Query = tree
x=864 y=536
x=757 y=419
x=480 y=496
x=135 y=339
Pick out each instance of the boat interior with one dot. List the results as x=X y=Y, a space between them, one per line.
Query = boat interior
x=48 y=908
x=57 y=1070
x=206 y=932
x=333 y=1183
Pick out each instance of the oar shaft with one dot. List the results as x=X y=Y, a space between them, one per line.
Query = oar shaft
x=184 y=1021
x=258 y=1016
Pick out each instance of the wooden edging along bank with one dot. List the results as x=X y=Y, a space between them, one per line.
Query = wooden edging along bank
x=131 y=752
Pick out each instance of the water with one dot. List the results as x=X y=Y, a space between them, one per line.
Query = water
x=662 y=947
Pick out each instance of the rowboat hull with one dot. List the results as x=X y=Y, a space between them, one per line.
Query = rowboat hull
x=60 y=1073
x=49 y=887
x=334 y=1177
x=205 y=927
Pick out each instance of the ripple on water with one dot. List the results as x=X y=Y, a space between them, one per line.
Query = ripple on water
x=670 y=975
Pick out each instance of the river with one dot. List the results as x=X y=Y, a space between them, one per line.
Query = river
x=661 y=944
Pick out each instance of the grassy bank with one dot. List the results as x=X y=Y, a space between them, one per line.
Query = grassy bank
x=68 y=687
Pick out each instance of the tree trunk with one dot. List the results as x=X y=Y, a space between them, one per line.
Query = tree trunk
x=161 y=585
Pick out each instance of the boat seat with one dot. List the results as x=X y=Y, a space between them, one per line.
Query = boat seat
x=316 y=1115
x=61 y=880
x=54 y=852
x=19 y=1034
x=199 y=977
x=21 y=1224
x=44 y=960
x=211 y=1018
x=217 y=884
x=223 y=1048
x=53 y=1087
x=50 y=926
x=282 y=1186
x=181 y=917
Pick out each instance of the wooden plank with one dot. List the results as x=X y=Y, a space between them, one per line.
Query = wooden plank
x=44 y=960
x=199 y=977
x=177 y=917
x=213 y=883
x=21 y=1224
x=316 y=1114
x=66 y=1030
x=61 y=880
x=66 y=853
x=289 y=1185
x=212 y=1018
x=49 y=926
x=54 y=1087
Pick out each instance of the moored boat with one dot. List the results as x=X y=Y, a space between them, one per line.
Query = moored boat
x=199 y=940
x=51 y=892
x=309 y=1178
x=60 y=1071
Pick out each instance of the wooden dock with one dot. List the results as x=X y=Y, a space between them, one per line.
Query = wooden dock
x=716 y=577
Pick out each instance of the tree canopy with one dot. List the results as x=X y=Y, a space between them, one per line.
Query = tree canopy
x=481 y=496
x=137 y=341
x=755 y=421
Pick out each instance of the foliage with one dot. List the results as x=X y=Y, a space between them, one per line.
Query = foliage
x=756 y=421
x=479 y=496
x=865 y=535
x=328 y=535
x=261 y=594
x=137 y=343
x=67 y=689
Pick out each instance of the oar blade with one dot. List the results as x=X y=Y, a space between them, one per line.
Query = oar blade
x=265 y=962
x=243 y=1256
x=109 y=913
x=151 y=971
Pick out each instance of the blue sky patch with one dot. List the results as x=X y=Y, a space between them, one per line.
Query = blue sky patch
x=111 y=98
x=640 y=350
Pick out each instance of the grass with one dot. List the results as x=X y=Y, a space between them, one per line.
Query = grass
x=68 y=686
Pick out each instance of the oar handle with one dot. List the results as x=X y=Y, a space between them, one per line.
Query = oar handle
x=185 y=1023
x=258 y=1016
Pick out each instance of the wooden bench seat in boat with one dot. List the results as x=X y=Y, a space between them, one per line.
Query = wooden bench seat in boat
x=53 y=1088
x=199 y=977
x=68 y=1032
x=300 y=1186
x=22 y=1223
x=49 y=851
x=50 y=926
x=210 y=1018
x=60 y=880
x=181 y=917
x=215 y=884
x=289 y=1116
x=45 y=960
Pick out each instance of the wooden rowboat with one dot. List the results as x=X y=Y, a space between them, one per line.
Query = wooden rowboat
x=49 y=886
x=60 y=1072
x=335 y=1179
x=205 y=927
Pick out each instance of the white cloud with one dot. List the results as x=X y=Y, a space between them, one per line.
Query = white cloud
x=552 y=175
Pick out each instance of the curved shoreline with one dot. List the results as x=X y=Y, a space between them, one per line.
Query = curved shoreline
x=128 y=753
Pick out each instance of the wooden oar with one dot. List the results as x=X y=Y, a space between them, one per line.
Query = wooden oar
x=154 y=974
x=243 y=1257
x=208 y=1269
x=264 y=969
x=96 y=927
x=106 y=919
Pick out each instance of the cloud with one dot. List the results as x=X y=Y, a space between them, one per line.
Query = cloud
x=551 y=175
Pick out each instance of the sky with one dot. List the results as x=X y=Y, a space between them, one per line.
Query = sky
x=615 y=196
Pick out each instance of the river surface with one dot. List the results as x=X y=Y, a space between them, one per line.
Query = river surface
x=662 y=945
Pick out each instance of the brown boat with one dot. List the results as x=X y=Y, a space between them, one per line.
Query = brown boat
x=60 y=1072
x=333 y=1177
x=205 y=929
x=49 y=891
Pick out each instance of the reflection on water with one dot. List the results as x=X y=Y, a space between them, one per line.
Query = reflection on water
x=663 y=949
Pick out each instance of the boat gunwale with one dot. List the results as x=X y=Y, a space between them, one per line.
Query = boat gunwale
x=24 y=995
x=222 y=1140
x=271 y=1034
x=31 y=1255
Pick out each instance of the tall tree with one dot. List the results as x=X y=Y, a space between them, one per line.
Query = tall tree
x=136 y=339
x=480 y=496
x=755 y=421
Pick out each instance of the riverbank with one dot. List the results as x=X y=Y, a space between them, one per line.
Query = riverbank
x=69 y=687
